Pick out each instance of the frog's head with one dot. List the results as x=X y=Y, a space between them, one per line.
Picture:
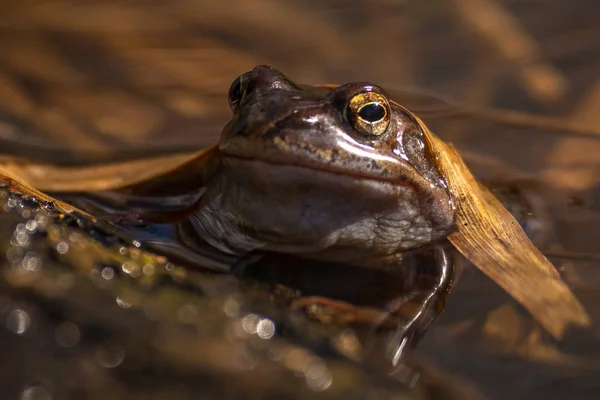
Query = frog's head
x=344 y=162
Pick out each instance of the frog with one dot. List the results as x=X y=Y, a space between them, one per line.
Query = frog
x=342 y=178
x=340 y=175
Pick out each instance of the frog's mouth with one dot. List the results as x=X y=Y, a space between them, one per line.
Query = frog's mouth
x=296 y=204
x=296 y=179
x=321 y=169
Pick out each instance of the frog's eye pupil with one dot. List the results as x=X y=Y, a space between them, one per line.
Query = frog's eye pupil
x=369 y=113
x=372 y=112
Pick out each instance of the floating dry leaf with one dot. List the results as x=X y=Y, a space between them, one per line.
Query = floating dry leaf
x=110 y=176
x=490 y=238
x=16 y=182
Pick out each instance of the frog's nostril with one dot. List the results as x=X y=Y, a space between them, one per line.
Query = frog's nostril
x=262 y=69
x=238 y=90
x=265 y=78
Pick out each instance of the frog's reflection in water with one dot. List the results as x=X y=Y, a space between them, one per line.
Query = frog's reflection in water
x=388 y=310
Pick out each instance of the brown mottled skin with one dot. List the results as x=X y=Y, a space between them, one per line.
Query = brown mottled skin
x=296 y=175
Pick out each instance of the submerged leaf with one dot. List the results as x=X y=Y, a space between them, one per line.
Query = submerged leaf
x=490 y=238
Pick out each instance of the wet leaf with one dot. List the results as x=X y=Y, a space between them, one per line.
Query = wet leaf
x=490 y=238
x=108 y=176
x=15 y=181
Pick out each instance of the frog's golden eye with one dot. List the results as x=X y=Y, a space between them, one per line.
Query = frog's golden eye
x=369 y=113
x=237 y=90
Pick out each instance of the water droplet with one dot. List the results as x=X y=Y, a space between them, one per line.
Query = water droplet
x=110 y=356
x=35 y=393
x=22 y=239
x=131 y=268
x=122 y=303
x=41 y=221
x=250 y=322
x=135 y=253
x=62 y=247
x=31 y=262
x=14 y=254
x=148 y=269
x=136 y=243
x=107 y=273
x=265 y=328
x=31 y=226
x=318 y=377
x=231 y=308
x=75 y=237
x=18 y=321
x=67 y=334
